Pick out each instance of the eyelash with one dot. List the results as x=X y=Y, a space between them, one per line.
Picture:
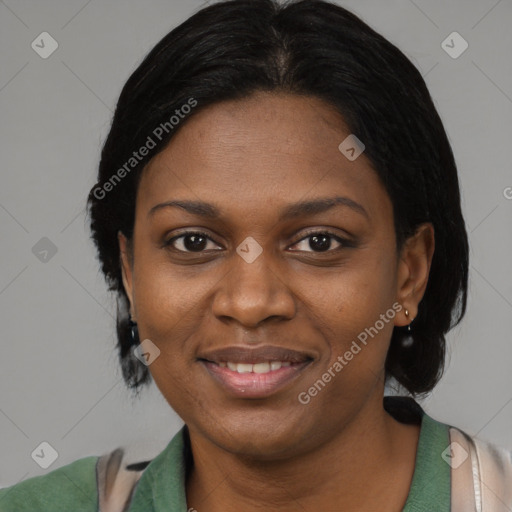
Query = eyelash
x=344 y=242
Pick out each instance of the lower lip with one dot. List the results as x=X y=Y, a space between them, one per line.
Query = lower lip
x=254 y=385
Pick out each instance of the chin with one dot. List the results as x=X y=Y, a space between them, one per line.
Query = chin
x=260 y=438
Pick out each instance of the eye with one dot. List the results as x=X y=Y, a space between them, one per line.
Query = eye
x=197 y=242
x=321 y=241
x=190 y=241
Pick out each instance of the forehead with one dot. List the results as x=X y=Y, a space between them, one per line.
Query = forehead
x=265 y=150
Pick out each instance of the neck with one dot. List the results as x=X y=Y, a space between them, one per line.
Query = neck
x=372 y=448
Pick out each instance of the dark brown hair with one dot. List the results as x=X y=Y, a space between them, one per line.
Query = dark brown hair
x=310 y=47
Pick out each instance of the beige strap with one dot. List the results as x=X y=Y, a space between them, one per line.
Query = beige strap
x=481 y=475
x=115 y=482
x=462 y=459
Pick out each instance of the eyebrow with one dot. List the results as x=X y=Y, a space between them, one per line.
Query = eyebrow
x=310 y=207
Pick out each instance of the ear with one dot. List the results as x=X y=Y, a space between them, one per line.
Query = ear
x=413 y=271
x=126 y=258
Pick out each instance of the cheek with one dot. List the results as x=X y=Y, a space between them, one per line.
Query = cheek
x=355 y=315
x=353 y=299
x=354 y=365
x=166 y=298
x=162 y=308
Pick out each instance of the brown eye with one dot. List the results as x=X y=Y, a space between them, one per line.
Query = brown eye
x=191 y=241
x=322 y=241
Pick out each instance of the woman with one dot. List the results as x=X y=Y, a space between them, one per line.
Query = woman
x=278 y=211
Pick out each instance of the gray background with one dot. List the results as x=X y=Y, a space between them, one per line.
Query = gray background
x=59 y=378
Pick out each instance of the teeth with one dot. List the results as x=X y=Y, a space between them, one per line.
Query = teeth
x=244 y=368
x=263 y=367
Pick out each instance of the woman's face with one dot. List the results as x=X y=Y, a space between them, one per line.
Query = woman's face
x=258 y=287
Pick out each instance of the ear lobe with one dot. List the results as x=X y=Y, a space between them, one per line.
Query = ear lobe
x=413 y=270
x=126 y=268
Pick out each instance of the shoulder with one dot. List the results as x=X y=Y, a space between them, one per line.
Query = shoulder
x=71 y=487
x=469 y=473
x=480 y=468
x=105 y=482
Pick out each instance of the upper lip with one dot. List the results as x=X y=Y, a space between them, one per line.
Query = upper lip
x=237 y=354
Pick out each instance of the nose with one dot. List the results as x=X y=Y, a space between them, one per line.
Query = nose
x=252 y=293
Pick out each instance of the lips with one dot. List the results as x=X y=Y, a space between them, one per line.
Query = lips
x=256 y=355
x=258 y=372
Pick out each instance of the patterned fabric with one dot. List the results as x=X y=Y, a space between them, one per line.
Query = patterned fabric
x=116 y=481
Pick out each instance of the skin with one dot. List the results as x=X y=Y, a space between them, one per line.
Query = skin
x=251 y=158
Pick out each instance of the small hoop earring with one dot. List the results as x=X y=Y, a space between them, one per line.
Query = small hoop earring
x=134 y=332
x=407 y=315
x=408 y=340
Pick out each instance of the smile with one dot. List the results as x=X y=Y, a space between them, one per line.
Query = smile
x=254 y=372
x=263 y=367
x=258 y=380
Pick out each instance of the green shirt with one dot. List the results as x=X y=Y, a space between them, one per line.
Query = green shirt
x=161 y=487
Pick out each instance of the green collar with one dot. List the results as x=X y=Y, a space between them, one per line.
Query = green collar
x=430 y=487
x=161 y=487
